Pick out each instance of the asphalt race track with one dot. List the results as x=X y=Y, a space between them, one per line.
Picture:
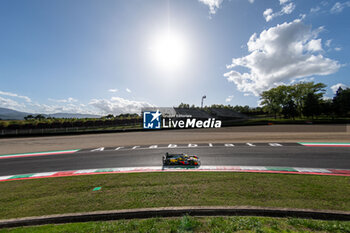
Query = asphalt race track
x=231 y=154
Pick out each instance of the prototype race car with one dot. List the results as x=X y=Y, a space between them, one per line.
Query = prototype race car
x=180 y=159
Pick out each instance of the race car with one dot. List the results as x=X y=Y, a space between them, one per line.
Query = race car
x=180 y=159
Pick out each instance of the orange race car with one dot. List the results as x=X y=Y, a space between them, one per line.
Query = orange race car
x=180 y=159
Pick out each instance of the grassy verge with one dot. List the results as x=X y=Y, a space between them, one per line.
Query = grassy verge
x=145 y=190
x=193 y=224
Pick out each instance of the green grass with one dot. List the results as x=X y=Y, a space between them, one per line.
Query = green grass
x=195 y=224
x=145 y=190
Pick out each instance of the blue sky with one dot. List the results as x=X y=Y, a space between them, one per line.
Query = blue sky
x=116 y=56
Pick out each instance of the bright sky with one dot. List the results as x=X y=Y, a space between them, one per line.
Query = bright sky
x=101 y=57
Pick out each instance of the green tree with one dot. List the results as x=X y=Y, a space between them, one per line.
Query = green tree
x=300 y=91
x=279 y=98
x=271 y=101
x=341 y=102
x=311 y=105
x=284 y=94
x=109 y=116
x=183 y=105
x=217 y=106
x=28 y=117
x=39 y=117
x=327 y=107
x=290 y=109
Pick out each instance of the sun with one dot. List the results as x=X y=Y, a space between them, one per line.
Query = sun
x=169 y=51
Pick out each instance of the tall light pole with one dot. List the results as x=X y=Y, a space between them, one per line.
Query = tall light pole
x=204 y=97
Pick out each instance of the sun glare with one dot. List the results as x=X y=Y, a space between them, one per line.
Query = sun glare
x=169 y=51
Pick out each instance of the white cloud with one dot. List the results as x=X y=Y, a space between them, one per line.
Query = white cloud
x=113 y=90
x=118 y=105
x=335 y=87
x=339 y=7
x=229 y=98
x=302 y=16
x=283 y=2
x=268 y=14
x=303 y=80
x=60 y=108
x=212 y=4
x=115 y=105
x=314 y=45
x=128 y=90
x=286 y=9
x=64 y=105
x=328 y=43
x=68 y=100
x=280 y=54
x=9 y=103
x=315 y=9
x=27 y=99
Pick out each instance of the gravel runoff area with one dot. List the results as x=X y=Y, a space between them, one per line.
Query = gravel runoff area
x=267 y=133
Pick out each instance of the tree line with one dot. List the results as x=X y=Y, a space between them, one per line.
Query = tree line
x=40 y=121
x=241 y=109
x=305 y=100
